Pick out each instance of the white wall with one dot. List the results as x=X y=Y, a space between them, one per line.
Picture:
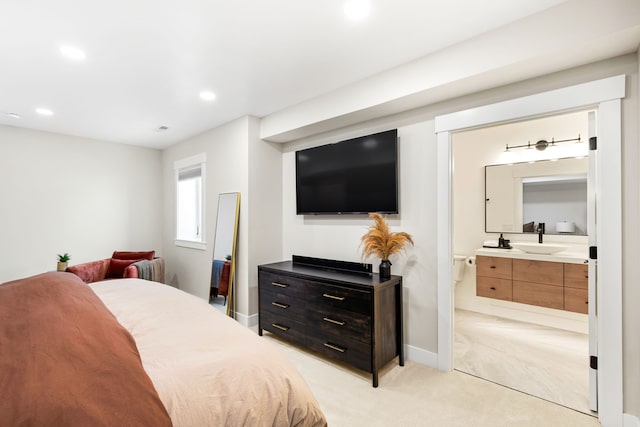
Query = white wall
x=338 y=237
x=67 y=194
x=264 y=233
x=237 y=161
x=226 y=172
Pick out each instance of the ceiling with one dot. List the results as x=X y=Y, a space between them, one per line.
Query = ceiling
x=147 y=61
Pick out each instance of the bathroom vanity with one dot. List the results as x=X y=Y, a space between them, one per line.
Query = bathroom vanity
x=557 y=281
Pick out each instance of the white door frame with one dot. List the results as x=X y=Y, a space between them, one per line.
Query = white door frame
x=605 y=95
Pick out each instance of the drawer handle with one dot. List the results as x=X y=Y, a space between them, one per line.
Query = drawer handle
x=335 y=347
x=280 y=285
x=333 y=297
x=282 y=328
x=492 y=288
x=330 y=320
x=493 y=266
x=277 y=304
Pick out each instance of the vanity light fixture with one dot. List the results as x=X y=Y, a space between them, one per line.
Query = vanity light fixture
x=543 y=144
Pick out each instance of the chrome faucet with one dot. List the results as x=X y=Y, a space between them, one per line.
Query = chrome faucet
x=540 y=231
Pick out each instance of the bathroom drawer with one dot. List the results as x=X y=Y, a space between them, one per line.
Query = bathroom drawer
x=489 y=266
x=490 y=287
x=576 y=300
x=539 y=294
x=576 y=276
x=548 y=273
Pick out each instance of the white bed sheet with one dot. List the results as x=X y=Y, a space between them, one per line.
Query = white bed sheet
x=208 y=369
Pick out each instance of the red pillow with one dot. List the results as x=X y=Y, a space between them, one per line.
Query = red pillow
x=117 y=266
x=134 y=255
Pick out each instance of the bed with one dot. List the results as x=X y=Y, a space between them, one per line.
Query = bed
x=134 y=352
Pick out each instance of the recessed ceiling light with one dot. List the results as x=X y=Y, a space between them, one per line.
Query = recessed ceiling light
x=13 y=115
x=162 y=128
x=72 y=52
x=357 y=10
x=207 y=96
x=44 y=111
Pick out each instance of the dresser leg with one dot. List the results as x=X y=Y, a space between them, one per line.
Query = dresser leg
x=375 y=378
x=259 y=331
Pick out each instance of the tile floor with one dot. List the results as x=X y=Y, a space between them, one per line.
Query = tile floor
x=545 y=362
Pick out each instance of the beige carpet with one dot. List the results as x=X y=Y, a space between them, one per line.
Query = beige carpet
x=416 y=395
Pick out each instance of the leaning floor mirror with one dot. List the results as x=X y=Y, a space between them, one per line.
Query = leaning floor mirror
x=223 y=267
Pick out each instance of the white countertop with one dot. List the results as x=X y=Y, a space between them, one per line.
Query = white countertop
x=568 y=257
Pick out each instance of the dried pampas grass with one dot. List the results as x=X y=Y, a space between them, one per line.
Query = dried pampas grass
x=381 y=242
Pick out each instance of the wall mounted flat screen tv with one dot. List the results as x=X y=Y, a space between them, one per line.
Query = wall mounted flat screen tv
x=356 y=176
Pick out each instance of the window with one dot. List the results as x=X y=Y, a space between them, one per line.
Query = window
x=190 y=178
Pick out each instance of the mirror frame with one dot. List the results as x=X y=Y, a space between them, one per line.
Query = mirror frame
x=231 y=307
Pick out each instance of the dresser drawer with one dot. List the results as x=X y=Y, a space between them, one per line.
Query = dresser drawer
x=576 y=276
x=354 y=353
x=576 y=300
x=283 y=304
x=490 y=287
x=544 y=272
x=489 y=266
x=336 y=298
x=283 y=326
x=537 y=294
x=284 y=285
x=342 y=323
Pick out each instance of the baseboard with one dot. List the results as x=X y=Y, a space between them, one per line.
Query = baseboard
x=629 y=420
x=247 y=321
x=421 y=356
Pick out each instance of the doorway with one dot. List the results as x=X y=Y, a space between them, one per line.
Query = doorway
x=604 y=95
x=532 y=348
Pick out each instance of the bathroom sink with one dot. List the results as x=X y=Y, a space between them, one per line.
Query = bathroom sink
x=540 y=248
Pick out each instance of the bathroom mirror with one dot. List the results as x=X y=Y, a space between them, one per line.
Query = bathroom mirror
x=224 y=250
x=553 y=192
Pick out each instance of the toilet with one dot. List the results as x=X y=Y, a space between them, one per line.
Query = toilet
x=458 y=268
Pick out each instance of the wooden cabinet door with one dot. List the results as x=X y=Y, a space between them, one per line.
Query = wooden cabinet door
x=576 y=300
x=576 y=276
x=543 y=272
x=538 y=294
x=490 y=287
x=490 y=266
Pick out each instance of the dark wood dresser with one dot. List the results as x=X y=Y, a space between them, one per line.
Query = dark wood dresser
x=354 y=318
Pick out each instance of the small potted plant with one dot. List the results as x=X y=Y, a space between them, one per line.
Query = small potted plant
x=381 y=242
x=62 y=261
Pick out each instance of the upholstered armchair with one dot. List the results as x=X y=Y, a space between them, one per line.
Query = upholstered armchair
x=141 y=265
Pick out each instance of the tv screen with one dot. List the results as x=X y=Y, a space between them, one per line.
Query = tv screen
x=356 y=176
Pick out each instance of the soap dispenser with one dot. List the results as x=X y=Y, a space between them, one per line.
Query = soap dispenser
x=501 y=241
